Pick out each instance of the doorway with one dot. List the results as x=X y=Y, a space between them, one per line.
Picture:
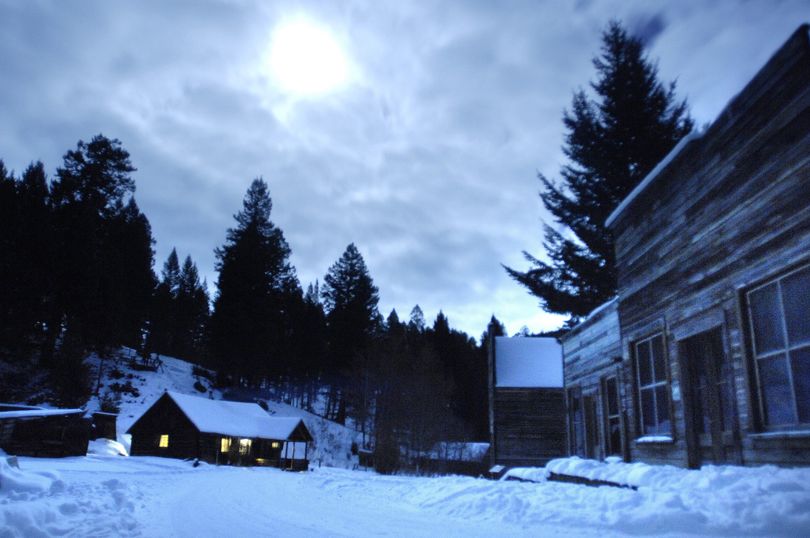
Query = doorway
x=709 y=410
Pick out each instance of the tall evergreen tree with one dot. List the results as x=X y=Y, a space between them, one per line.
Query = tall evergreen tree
x=26 y=268
x=417 y=321
x=350 y=299
x=192 y=312
x=256 y=284
x=612 y=141
x=96 y=222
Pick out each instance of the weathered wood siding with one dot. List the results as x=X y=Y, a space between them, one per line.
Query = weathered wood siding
x=731 y=210
x=164 y=417
x=528 y=425
x=592 y=352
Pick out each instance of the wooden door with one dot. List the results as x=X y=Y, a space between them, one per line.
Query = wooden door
x=709 y=409
x=591 y=427
x=611 y=411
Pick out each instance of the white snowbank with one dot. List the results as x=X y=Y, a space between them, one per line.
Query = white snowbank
x=728 y=499
x=106 y=447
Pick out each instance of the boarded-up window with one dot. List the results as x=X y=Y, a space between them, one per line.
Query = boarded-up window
x=653 y=390
x=779 y=313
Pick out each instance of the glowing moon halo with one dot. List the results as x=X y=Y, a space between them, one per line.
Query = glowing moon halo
x=306 y=59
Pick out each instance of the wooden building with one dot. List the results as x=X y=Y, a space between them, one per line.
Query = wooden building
x=713 y=308
x=35 y=431
x=595 y=386
x=222 y=432
x=526 y=401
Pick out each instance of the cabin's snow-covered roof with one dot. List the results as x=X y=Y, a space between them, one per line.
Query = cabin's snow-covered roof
x=528 y=362
x=239 y=419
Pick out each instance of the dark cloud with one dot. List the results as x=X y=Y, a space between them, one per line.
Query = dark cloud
x=647 y=27
x=427 y=160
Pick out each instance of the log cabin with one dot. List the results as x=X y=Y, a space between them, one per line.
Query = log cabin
x=220 y=432
x=708 y=339
x=526 y=401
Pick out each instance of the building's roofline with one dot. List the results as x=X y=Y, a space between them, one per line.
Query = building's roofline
x=649 y=178
x=755 y=87
x=592 y=315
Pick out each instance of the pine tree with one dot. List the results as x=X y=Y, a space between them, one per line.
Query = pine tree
x=192 y=312
x=93 y=213
x=612 y=141
x=250 y=326
x=417 y=321
x=26 y=268
x=350 y=299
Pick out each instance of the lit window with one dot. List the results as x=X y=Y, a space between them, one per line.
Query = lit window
x=225 y=444
x=164 y=441
x=780 y=330
x=244 y=446
x=274 y=444
x=653 y=392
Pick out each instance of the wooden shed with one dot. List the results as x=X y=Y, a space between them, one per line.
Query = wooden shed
x=35 y=431
x=221 y=432
x=710 y=339
x=526 y=401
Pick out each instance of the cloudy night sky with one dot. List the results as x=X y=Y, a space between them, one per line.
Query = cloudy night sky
x=414 y=129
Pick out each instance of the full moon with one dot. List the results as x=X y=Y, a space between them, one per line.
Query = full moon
x=305 y=59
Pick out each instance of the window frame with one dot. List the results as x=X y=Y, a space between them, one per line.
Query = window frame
x=607 y=416
x=787 y=348
x=665 y=382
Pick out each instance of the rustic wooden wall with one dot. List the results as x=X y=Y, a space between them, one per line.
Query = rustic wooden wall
x=732 y=210
x=590 y=352
x=164 y=417
x=528 y=425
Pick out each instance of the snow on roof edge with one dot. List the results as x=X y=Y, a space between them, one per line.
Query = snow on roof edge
x=654 y=173
x=592 y=314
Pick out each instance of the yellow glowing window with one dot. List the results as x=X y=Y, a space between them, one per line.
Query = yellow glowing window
x=225 y=444
x=275 y=444
x=244 y=446
x=164 y=441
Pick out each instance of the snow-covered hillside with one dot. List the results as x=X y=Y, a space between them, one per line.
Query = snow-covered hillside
x=138 y=389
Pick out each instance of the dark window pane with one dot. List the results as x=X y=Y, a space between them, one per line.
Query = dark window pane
x=614 y=434
x=796 y=301
x=658 y=358
x=800 y=363
x=612 y=396
x=766 y=318
x=778 y=396
x=662 y=403
x=648 y=411
x=643 y=355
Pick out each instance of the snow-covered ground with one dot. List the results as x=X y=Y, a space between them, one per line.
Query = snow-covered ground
x=144 y=496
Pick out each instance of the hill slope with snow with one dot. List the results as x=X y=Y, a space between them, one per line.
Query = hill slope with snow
x=134 y=391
